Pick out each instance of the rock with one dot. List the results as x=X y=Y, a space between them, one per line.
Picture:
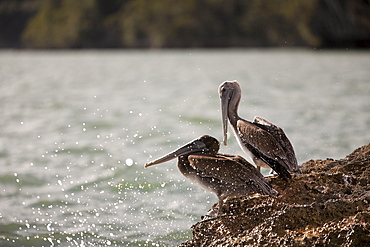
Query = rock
x=329 y=205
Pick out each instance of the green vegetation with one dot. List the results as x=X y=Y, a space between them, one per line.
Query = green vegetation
x=191 y=23
x=61 y=24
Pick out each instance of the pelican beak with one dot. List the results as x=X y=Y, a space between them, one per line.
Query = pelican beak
x=225 y=96
x=192 y=147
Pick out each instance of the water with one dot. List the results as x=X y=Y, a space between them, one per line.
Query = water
x=78 y=126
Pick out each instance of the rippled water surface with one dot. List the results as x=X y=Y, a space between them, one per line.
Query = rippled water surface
x=78 y=126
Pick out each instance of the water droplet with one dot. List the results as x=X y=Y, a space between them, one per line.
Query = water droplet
x=129 y=162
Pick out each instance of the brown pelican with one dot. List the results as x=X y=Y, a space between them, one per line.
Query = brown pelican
x=266 y=143
x=224 y=175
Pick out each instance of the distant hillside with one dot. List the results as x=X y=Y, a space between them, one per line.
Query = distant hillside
x=63 y=24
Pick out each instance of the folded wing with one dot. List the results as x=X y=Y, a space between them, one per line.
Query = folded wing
x=232 y=170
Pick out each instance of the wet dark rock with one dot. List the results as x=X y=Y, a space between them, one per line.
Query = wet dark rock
x=329 y=205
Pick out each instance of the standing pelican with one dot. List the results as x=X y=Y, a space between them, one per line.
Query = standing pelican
x=224 y=175
x=265 y=142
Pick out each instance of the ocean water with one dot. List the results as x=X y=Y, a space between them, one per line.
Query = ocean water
x=78 y=126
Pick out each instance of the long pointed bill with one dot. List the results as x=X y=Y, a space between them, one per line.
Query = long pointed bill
x=192 y=147
x=224 y=109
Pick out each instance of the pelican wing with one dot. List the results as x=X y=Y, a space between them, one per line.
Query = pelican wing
x=236 y=158
x=259 y=180
x=227 y=169
x=283 y=140
x=263 y=145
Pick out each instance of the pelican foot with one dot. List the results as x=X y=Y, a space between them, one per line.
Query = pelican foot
x=211 y=214
x=208 y=218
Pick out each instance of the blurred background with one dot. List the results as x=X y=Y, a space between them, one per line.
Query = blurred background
x=166 y=23
x=84 y=106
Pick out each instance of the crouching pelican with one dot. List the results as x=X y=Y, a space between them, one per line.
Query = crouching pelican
x=224 y=175
x=263 y=141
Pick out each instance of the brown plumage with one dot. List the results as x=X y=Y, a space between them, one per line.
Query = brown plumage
x=266 y=143
x=222 y=174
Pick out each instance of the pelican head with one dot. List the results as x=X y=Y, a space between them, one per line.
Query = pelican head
x=205 y=144
x=230 y=94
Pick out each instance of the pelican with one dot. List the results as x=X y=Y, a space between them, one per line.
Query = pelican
x=225 y=175
x=264 y=142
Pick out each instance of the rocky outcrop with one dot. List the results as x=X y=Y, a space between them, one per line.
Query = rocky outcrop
x=329 y=205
